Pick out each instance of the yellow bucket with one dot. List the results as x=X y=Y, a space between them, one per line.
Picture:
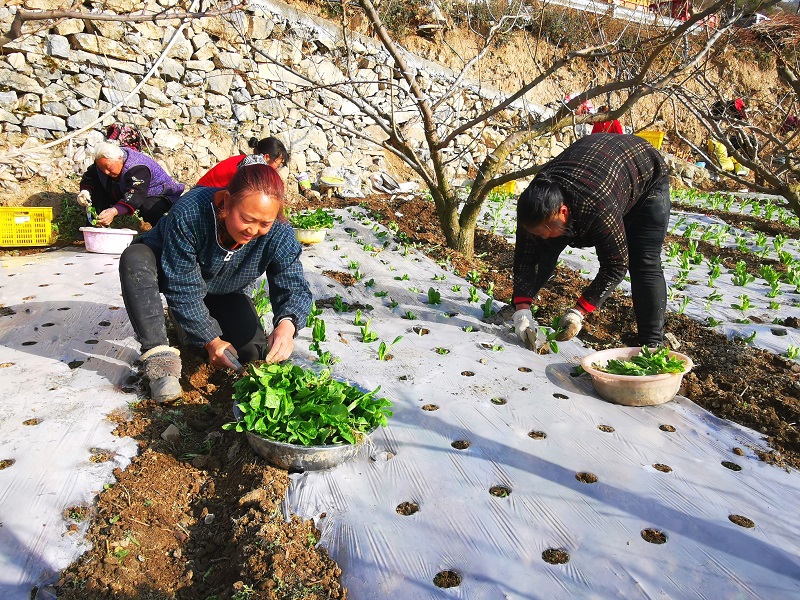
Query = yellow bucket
x=654 y=137
x=507 y=188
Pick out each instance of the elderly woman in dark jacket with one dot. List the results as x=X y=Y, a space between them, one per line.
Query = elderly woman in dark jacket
x=122 y=181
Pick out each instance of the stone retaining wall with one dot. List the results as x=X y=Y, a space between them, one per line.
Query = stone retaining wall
x=216 y=88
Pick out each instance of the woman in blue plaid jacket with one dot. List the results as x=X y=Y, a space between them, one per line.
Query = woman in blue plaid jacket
x=204 y=256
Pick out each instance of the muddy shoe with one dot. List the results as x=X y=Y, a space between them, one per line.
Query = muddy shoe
x=162 y=367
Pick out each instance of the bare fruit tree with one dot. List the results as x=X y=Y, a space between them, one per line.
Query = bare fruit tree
x=764 y=136
x=420 y=126
x=444 y=122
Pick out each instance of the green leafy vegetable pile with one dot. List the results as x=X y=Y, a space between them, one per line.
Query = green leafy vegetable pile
x=319 y=219
x=644 y=363
x=93 y=213
x=287 y=403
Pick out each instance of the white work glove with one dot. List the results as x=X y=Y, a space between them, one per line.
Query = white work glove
x=527 y=329
x=84 y=198
x=570 y=324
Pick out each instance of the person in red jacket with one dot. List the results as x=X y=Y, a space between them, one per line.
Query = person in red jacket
x=271 y=148
x=612 y=126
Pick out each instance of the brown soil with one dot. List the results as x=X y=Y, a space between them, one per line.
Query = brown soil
x=555 y=556
x=741 y=521
x=654 y=536
x=586 y=477
x=196 y=518
x=447 y=579
x=200 y=517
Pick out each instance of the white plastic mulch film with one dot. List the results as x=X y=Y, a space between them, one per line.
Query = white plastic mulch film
x=480 y=474
x=477 y=476
x=65 y=351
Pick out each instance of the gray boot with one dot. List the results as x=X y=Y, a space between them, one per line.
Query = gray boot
x=162 y=366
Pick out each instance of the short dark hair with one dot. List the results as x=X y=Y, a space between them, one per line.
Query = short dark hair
x=272 y=147
x=540 y=201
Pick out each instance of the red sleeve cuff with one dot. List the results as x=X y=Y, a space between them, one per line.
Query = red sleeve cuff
x=521 y=300
x=584 y=304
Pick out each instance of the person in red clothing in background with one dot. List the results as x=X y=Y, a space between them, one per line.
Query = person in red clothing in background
x=272 y=150
x=612 y=126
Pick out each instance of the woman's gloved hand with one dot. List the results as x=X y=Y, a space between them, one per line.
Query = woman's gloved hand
x=84 y=199
x=527 y=329
x=570 y=324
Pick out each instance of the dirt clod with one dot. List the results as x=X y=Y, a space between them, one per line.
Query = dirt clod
x=741 y=521
x=555 y=556
x=654 y=536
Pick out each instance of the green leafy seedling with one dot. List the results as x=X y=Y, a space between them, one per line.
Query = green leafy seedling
x=368 y=336
x=550 y=334
x=383 y=348
x=488 y=307
x=339 y=305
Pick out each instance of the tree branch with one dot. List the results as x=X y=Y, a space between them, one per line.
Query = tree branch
x=24 y=16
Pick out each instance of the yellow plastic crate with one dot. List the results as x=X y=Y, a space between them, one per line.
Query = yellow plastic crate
x=654 y=137
x=24 y=226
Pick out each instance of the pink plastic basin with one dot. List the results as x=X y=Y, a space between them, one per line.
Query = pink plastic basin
x=107 y=241
x=633 y=390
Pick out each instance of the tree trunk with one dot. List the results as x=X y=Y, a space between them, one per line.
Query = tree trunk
x=458 y=229
x=465 y=243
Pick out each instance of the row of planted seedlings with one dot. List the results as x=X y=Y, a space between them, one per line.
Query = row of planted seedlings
x=703 y=288
x=363 y=264
x=456 y=293
x=711 y=304
x=766 y=207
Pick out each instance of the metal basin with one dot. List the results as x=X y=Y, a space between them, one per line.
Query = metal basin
x=295 y=458
x=310 y=236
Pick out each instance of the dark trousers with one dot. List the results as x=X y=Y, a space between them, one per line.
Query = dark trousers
x=646 y=227
x=153 y=208
x=140 y=276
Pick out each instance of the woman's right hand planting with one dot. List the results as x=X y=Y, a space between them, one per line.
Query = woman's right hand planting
x=216 y=353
